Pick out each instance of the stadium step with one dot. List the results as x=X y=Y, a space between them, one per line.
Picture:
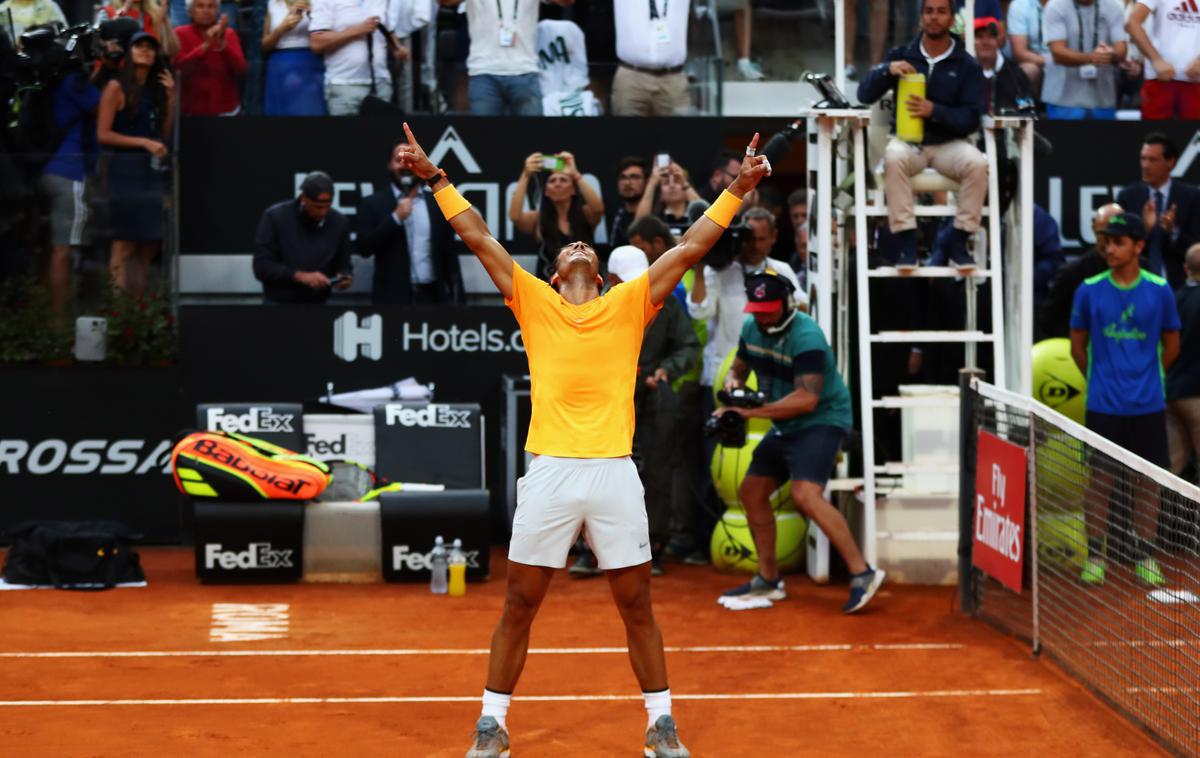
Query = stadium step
x=873 y=211
x=919 y=401
x=932 y=336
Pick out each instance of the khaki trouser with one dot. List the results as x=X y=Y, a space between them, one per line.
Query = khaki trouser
x=635 y=93
x=959 y=160
x=1183 y=431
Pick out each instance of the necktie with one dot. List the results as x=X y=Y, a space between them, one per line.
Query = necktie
x=1158 y=202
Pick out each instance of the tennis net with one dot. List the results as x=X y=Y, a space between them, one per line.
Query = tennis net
x=1134 y=636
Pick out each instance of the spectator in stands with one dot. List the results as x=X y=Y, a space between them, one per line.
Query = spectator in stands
x=1172 y=79
x=810 y=411
x=1124 y=337
x=1129 y=71
x=669 y=349
x=1026 y=30
x=26 y=14
x=411 y=241
x=114 y=40
x=1169 y=207
x=1005 y=86
x=1183 y=380
x=210 y=63
x=502 y=64
x=568 y=211
x=743 y=25
x=951 y=109
x=1087 y=41
x=73 y=105
x=134 y=121
x=562 y=58
x=302 y=246
x=724 y=166
x=151 y=14
x=798 y=211
x=352 y=42
x=992 y=9
x=877 y=23
x=652 y=50
x=652 y=236
x=631 y=185
x=719 y=297
x=295 y=80
x=668 y=193
x=1054 y=317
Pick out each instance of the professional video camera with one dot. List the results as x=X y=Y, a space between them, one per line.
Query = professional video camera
x=730 y=428
x=49 y=52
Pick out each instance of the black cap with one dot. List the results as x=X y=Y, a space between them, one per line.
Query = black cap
x=1125 y=225
x=316 y=184
x=121 y=28
x=766 y=291
x=141 y=37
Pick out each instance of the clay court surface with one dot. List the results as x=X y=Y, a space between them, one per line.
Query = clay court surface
x=389 y=670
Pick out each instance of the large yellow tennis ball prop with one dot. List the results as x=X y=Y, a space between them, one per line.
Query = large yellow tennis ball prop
x=1062 y=539
x=729 y=466
x=1057 y=381
x=733 y=544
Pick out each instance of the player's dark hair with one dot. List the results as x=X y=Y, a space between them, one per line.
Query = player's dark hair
x=1170 y=152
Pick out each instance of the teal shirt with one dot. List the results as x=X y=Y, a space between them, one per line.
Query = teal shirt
x=778 y=360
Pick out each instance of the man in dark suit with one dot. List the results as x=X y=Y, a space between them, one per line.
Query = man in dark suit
x=1170 y=209
x=403 y=229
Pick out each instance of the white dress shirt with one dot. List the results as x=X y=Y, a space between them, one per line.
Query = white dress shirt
x=348 y=64
x=640 y=41
x=420 y=238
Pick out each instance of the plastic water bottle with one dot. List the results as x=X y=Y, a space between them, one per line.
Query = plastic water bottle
x=458 y=570
x=437 y=560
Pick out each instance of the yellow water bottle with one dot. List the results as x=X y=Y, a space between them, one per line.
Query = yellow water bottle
x=909 y=128
x=458 y=570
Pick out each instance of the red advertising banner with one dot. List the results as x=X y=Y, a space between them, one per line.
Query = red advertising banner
x=1000 y=469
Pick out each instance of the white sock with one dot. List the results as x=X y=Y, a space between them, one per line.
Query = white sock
x=495 y=704
x=657 y=704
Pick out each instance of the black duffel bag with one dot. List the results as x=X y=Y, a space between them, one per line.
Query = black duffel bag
x=72 y=554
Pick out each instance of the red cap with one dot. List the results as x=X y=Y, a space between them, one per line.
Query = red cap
x=988 y=22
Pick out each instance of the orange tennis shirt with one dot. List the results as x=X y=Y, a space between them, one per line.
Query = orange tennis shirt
x=582 y=365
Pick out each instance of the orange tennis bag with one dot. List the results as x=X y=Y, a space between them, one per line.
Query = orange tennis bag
x=225 y=466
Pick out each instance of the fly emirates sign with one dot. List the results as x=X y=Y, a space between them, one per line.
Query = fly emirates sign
x=999 y=526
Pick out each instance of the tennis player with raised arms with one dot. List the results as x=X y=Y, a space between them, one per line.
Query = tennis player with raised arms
x=582 y=350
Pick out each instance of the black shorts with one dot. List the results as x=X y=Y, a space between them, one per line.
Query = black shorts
x=804 y=456
x=1145 y=436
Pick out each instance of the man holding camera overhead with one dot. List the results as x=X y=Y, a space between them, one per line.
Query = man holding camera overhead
x=810 y=411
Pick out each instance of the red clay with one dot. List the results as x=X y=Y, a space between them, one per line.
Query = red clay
x=174 y=614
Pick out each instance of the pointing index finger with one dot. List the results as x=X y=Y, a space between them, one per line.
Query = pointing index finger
x=412 y=140
x=754 y=141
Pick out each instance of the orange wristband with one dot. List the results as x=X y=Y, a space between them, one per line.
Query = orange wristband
x=724 y=209
x=450 y=201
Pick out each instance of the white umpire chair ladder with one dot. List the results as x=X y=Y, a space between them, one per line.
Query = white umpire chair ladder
x=1011 y=305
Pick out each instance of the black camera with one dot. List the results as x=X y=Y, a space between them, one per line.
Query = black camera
x=722 y=253
x=730 y=428
x=48 y=53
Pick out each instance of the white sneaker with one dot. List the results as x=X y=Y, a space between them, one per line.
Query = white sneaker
x=749 y=70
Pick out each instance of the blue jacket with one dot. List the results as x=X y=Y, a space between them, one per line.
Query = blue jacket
x=956 y=88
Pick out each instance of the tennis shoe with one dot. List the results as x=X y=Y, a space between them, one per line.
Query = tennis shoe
x=662 y=741
x=489 y=740
x=759 y=587
x=1093 y=572
x=585 y=565
x=862 y=588
x=1150 y=572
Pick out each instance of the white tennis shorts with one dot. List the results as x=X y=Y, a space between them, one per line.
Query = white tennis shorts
x=560 y=497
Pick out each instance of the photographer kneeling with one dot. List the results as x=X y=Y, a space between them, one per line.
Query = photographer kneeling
x=810 y=411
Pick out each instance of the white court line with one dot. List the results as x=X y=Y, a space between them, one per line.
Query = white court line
x=476 y=651
x=532 y=698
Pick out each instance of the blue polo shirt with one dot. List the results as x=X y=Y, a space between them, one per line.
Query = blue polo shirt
x=777 y=361
x=1125 y=322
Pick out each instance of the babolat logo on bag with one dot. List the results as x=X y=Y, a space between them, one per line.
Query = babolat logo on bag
x=403 y=559
x=226 y=466
x=431 y=416
x=256 y=419
x=257 y=555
